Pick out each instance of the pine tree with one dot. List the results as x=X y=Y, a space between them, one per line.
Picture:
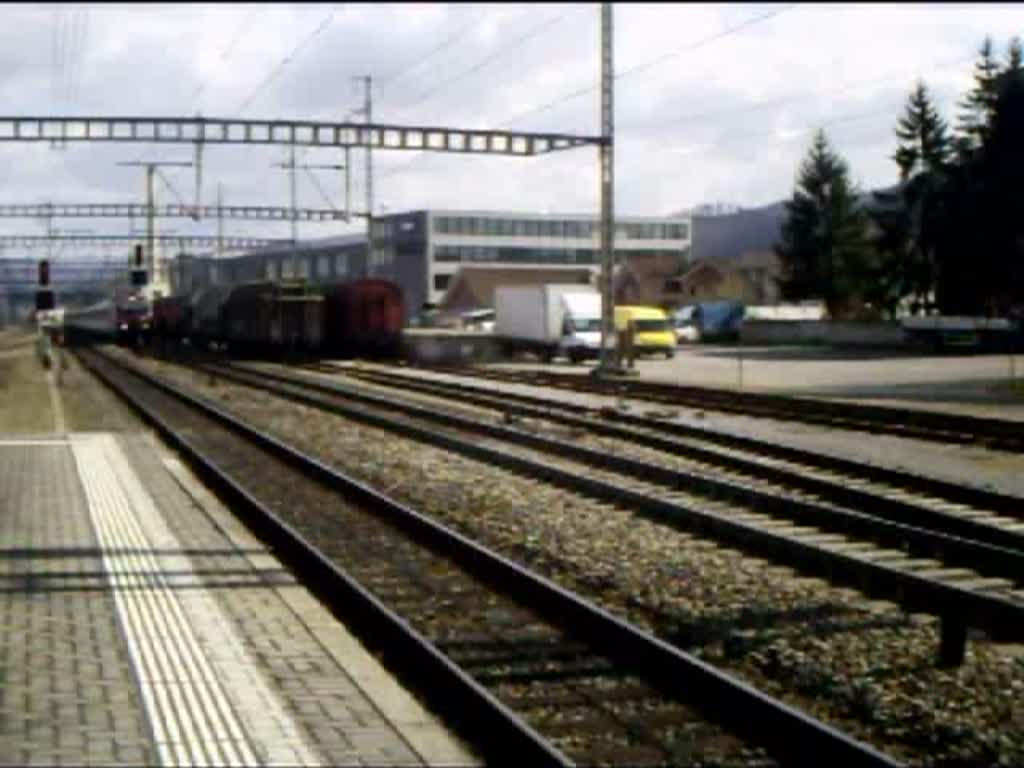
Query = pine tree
x=923 y=156
x=824 y=245
x=979 y=104
x=1014 y=63
x=1002 y=168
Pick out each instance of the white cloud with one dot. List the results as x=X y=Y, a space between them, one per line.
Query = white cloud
x=723 y=119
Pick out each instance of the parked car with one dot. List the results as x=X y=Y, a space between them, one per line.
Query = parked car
x=686 y=328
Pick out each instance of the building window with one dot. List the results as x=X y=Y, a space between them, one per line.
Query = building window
x=441 y=282
x=532 y=228
x=505 y=228
x=447 y=253
x=323 y=266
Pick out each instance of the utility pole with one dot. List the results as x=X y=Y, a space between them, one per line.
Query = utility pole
x=367 y=111
x=348 y=185
x=607 y=166
x=293 y=168
x=220 y=220
x=151 y=167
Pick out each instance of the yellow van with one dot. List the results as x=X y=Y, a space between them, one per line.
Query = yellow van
x=653 y=332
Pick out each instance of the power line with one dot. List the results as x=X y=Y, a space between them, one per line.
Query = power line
x=287 y=60
x=652 y=63
x=629 y=71
x=805 y=96
x=324 y=24
x=227 y=51
x=519 y=41
x=705 y=41
x=414 y=63
x=225 y=54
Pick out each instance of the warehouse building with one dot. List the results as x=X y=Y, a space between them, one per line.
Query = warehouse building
x=423 y=250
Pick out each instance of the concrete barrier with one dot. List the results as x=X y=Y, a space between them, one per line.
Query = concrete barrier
x=439 y=346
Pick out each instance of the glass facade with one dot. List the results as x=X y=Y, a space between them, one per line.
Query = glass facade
x=528 y=255
x=479 y=226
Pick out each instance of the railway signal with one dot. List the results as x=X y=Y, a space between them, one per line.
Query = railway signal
x=139 y=277
x=45 y=299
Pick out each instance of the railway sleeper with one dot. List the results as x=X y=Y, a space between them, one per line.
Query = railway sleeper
x=872 y=578
x=936 y=494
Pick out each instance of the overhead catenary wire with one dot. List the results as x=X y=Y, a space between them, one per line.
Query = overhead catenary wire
x=517 y=42
x=225 y=54
x=324 y=24
x=280 y=66
x=419 y=61
x=657 y=61
x=805 y=95
x=629 y=71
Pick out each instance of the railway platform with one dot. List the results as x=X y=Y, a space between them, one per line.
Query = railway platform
x=140 y=623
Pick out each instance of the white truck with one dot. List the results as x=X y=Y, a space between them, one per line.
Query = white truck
x=548 y=320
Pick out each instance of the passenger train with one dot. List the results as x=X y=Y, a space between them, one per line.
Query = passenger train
x=126 y=317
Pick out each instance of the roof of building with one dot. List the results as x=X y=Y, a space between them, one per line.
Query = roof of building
x=529 y=214
x=312 y=244
x=473 y=286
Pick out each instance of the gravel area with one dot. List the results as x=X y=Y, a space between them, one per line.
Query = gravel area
x=25 y=406
x=501 y=642
x=969 y=465
x=864 y=667
x=89 y=406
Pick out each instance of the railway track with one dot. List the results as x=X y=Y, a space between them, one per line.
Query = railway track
x=999 y=434
x=959 y=510
x=965 y=582
x=519 y=666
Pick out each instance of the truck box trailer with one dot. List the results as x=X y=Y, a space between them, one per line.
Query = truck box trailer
x=548 y=320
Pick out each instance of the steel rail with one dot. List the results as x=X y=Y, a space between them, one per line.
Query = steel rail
x=1003 y=434
x=958 y=608
x=785 y=732
x=880 y=505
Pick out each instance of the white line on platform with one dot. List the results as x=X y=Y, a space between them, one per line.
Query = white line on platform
x=199 y=683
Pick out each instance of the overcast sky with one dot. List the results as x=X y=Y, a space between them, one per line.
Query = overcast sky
x=713 y=103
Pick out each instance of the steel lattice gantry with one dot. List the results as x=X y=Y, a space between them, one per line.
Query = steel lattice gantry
x=137 y=210
x=212 y=130
x=231 y=243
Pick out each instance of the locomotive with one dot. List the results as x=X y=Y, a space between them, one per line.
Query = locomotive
x=125 y=318
x=358 y=318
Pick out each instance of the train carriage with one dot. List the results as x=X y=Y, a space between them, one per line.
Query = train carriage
x=363 y=318
x=270 y=318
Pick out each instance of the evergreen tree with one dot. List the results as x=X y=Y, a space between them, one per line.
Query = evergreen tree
x=824 y=246
x=1014 y=63
x=980 y=102
x=923 y=156
x=1002 y=169
x=981 y=243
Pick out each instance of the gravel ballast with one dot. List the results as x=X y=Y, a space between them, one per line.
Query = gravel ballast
x=864 y=667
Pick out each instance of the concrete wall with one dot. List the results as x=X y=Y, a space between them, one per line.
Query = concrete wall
x=864 y=334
